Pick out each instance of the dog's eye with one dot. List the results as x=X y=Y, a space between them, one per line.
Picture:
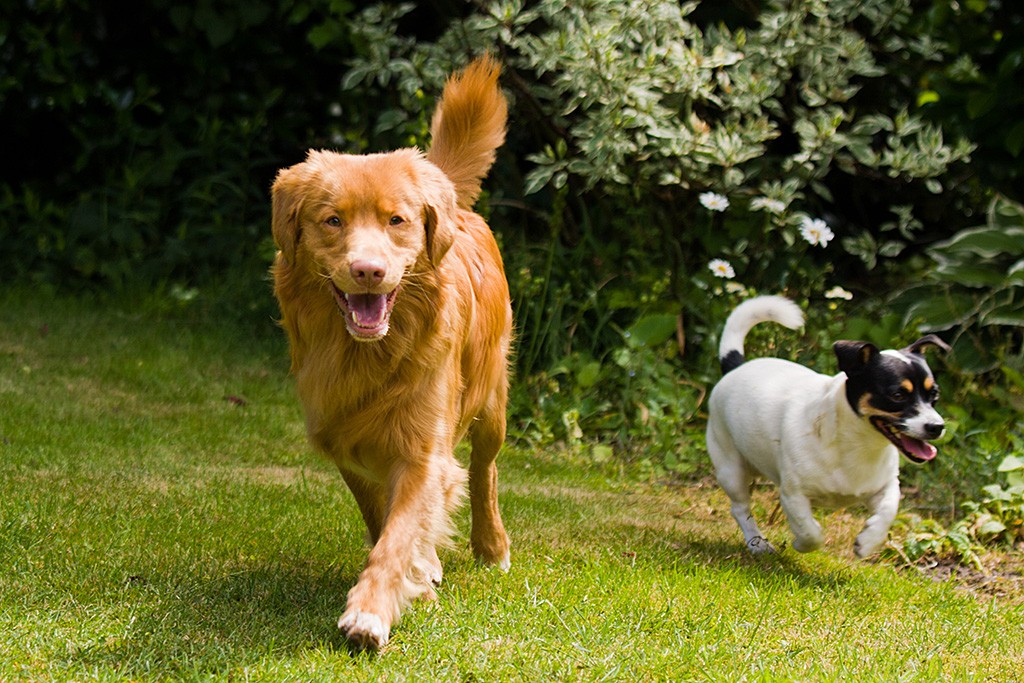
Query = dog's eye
x=396 y=220
x=333 y=221
x=898 y=396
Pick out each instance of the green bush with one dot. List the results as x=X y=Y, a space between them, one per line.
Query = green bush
x=994 y=521
x=975 y=90
x=662 y=138
x=976 y=291
x=780 y=142
x=142 y=138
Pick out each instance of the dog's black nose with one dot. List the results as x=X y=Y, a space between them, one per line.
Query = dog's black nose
x=934 y=429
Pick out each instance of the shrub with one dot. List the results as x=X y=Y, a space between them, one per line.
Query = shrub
x=141 y=139
x=976 y=291
x=994 y=521
x=790 y=119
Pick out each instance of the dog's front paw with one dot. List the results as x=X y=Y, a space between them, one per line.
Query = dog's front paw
x=865 y=547
x=806 y=544
x=364 y=630
x=759 y=545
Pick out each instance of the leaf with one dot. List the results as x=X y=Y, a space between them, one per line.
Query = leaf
x=984 y=242
x=652 y=330
x=993 y=527
x=942 y=311
x=1010 y=463
x=1011 y=315
x=601 y=453
x=1014 y=140
x=588 y=375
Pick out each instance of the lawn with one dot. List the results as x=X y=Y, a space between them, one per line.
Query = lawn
x=162 y=518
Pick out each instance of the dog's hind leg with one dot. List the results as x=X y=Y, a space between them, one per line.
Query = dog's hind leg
x=807 y=534
x=736 y=479
x=883 y=509
x=488 y=537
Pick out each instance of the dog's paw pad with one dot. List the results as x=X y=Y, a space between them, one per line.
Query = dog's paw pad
x=364 y=630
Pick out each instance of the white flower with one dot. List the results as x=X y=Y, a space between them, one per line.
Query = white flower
x=335 y=109
x=713 y=201
x=735 y=288
x=816 y=231
x=838 y=292
x=767 y=204
x=721 y=268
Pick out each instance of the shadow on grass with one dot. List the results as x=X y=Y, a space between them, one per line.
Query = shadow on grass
x=768 y=568
x=203 y=625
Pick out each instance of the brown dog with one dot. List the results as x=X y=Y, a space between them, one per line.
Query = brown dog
x=394 y=298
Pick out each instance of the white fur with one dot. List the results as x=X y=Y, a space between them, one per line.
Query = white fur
x=364 y=629
x=795 y=427
x=761 y=309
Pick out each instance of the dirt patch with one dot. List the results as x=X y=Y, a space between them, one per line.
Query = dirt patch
x=1002 y=579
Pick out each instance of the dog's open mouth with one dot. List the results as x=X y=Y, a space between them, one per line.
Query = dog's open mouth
x=916 y=450
x=367 y=315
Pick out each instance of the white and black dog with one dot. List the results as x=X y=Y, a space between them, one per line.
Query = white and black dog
x=826 y=441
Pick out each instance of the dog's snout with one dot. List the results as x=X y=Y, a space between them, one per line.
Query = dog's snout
x=368 y=272
x=933 y=430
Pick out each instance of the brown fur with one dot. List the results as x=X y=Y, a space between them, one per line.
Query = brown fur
x=389 y=411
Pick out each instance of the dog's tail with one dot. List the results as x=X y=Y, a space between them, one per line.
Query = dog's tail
x=468 y=126
x=777 y=309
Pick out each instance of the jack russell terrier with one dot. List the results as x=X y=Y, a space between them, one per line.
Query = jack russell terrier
x=826 y=441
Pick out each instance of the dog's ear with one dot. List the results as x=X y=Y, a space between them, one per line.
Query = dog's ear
x=926 y=342
x=286 y=196
x=854 y=356
x=440 y=232
x=439 y=213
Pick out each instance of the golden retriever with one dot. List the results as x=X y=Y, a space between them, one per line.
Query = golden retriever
x=394 y=298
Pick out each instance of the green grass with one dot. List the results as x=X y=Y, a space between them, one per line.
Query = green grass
x=154 y=527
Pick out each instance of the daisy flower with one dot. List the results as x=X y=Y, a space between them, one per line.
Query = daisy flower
x=838 y=292
x=721 y=268
x=816 y=231
x=767 y=204
x=713 y=201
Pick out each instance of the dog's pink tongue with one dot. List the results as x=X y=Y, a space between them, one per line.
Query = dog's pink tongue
x=368 y=310
x=920 y=449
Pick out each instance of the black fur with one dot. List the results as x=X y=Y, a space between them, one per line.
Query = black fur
x=731 y=361
x=880 y=377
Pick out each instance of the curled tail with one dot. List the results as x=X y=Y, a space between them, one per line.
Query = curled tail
x=760 y=309
x=468 y=126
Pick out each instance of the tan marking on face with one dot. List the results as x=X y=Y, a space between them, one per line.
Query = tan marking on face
x=865 y=408
x=908 y=386
x=928 y=383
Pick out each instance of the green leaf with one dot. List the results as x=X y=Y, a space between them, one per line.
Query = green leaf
x=652 y=330
x=993 y=527
x=942 y=311
x=1010 y=463
x=1014 y=140
x=984 y=242
x=588 y=374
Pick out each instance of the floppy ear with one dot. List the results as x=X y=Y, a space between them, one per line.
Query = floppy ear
x=439 y=213
x=854 y=356
x=286 y=198
x=925 y=342
x=440 y=232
